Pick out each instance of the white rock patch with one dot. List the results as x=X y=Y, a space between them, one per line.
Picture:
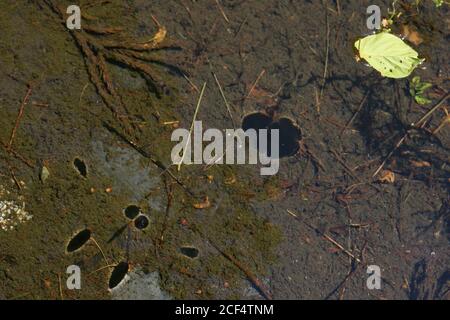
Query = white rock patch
x=11 y=212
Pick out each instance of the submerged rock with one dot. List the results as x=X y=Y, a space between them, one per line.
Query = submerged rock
x=140 y=286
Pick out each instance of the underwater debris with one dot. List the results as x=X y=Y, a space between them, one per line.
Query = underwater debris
x=387 y=176
x=44 y=174
x=203 y=205
x=132 y=53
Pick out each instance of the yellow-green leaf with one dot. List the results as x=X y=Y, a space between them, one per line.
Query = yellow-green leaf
x=388 y=54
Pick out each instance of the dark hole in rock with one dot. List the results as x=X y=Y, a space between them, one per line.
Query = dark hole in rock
x=289 y=133
x=256 y=121
x=141 y=222
x=118 y=274
x=80 y=166
x=189 y=252
x=132 y=211
x=79 y=240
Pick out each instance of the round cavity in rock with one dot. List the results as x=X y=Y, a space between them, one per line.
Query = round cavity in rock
x=290 y=136
x=118 y=274
x=132 y=211
x=190 y=252
x=80 y=166
x=79 y=240
x=256 y=121
x=141 y=222
x=289 y=133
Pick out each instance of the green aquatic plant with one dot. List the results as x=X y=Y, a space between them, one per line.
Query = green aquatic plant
x=417 y=90
x=388 y=54
x=438 y=3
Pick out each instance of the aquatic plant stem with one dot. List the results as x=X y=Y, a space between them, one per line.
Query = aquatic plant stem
x=327 y=55
x=101 y=251
x=227 y=105
x=192 y=124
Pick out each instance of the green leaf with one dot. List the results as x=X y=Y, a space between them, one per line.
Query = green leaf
x=415 y=81
x=423 y=86
x=388 y=54
x=438 y=3
x=422 y=100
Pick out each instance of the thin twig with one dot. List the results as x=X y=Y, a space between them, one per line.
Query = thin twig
x=192 y=125
x=250 y=276
x=240 y=27
x=17 y=155
x=414 y=126
x=432 y=110
x=169 y=191
x=101 y=251
x=349 y=170
x=256 y=282
x=327 y=54
x=221 y=11
x=326 y=237
x=102 y=268
x=15 y=179
x=255 y=84
x=355 y=114
x=224 y=100
x=19 y=116
x=191 y=83
x=60 y=287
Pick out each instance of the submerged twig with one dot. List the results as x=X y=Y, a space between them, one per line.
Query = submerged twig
x=224 y=100
x=415 y=125
x=327 y=54
x=356 y=113
x=250 y=276
x=17 y=155
x=192 y=125
x=19 y=116
x=325 y=236
x=97 y=50
x=255 y=84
